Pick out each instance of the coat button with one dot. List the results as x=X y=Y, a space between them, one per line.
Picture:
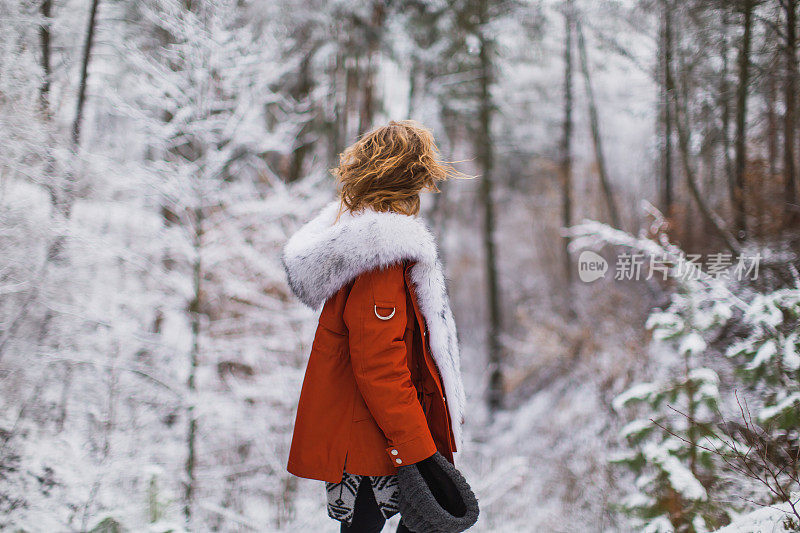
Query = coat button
x=394 y=452
x=398 y=461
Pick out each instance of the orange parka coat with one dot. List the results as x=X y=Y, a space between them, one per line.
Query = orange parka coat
x=373 y=397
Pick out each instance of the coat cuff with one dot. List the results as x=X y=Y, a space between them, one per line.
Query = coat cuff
x=411 y=451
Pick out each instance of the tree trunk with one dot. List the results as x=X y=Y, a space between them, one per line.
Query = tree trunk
x=412 y=84
x=300 y=94
x=566 y=140
x=594 y=122
x=790 y=94
x=339 y=127
x=349 y=124
x=682 y=128
x=668 y=88
x=486 y=159
x=740 y=218
x=87 y=54
x=724 y=90
x=374 y=32
x=194 y=309
x=44 y=40
x=773 y=126
x=63 y=199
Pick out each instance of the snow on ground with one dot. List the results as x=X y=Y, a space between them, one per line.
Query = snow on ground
x=772 y=519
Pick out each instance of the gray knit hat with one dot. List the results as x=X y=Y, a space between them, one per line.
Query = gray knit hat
x=435 y=497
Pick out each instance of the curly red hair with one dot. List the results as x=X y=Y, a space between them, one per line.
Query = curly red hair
x=389 y=166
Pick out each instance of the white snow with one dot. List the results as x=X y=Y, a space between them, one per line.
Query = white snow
x=791 y=357
x=635 y=427
x=764 y=355
x=768 y=519
x=640 y=391
x=692 y=344
x=660 y=524
x=705 y=375
x=770 y=412
x=680 y=477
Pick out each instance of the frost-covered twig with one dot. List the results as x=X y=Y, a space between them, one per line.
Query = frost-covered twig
x=749 y=466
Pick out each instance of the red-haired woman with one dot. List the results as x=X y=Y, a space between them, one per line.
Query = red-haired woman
x=382 y=389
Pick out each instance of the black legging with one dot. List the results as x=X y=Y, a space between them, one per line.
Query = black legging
x=367 y=517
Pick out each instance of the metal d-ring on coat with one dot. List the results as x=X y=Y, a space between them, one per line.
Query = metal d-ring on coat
x=384 y=317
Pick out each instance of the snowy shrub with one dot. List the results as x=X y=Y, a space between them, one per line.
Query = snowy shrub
x=675 y=479
x=686 y=458
x=768 y=358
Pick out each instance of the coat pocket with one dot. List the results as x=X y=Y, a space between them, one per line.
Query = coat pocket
x=330 y=342
x=427 y=401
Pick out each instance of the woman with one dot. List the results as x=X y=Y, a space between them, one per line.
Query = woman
x=382 y=388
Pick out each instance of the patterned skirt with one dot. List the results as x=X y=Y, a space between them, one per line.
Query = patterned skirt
x=342 y=495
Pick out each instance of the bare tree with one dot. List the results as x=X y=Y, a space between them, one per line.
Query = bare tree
x=485 y=151
x=740 y=167
x=682 y=128
x=374 y=31
x=300 y=92
x=87 y=53
x=772 y=126
x=44 y=40
x=566 y=137
x=667 y=90
x=790 y=103
x=725 y=104
x=594 y=123
x=708 y=214
x=194 y=311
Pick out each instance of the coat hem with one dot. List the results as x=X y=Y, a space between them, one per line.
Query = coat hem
x=305 y=474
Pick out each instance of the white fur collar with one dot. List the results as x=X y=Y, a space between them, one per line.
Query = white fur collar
x=322 y=257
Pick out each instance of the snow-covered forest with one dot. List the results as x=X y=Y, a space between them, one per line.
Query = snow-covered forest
x=623 y=264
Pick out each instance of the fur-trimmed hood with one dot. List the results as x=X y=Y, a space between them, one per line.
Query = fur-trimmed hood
x=324 y=256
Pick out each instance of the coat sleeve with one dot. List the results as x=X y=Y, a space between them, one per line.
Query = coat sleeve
x=380 y=366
